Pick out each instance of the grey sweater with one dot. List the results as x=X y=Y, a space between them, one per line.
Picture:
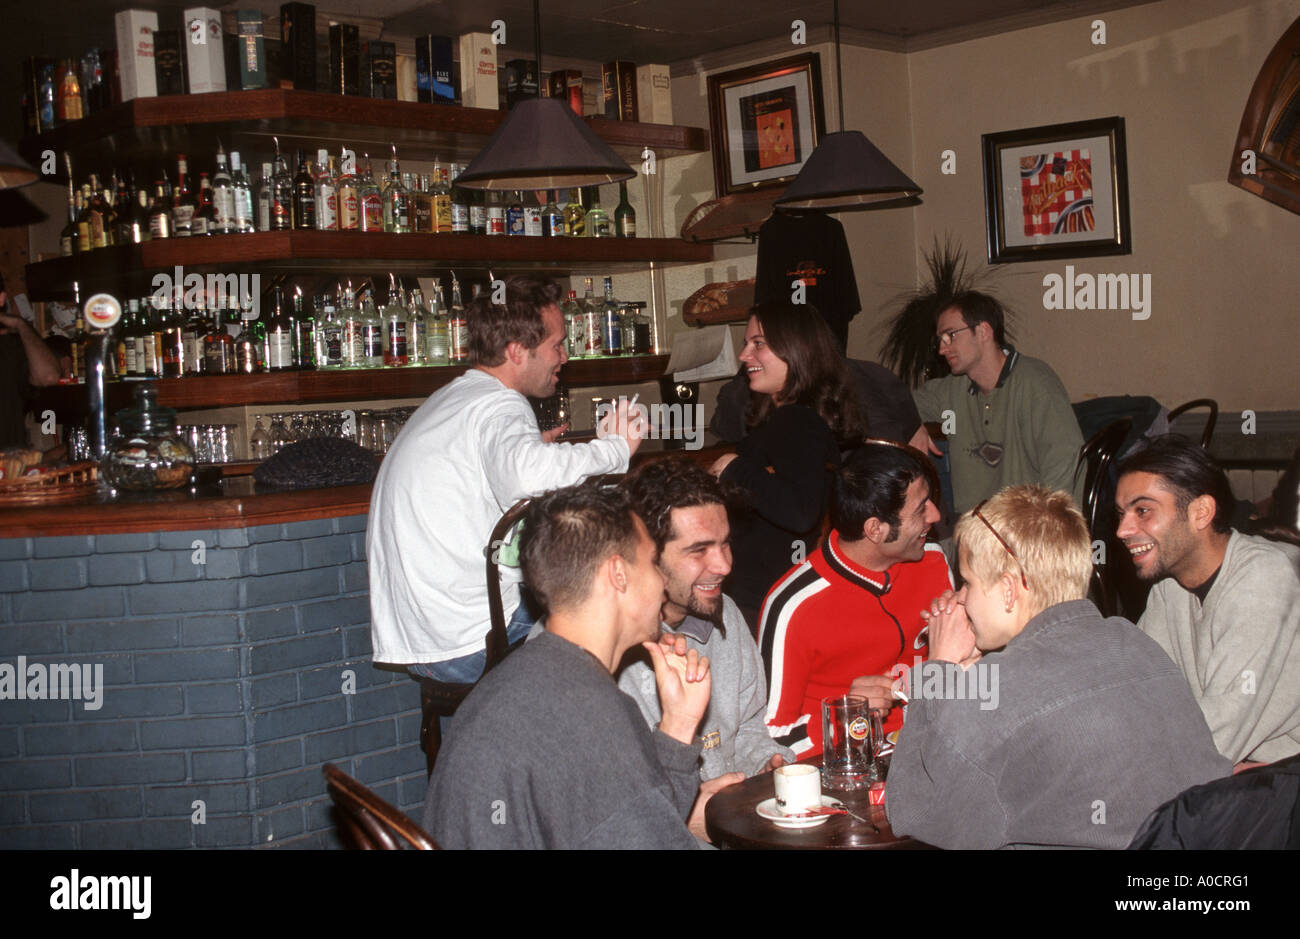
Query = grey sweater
x=733 y=729
x=1240 y=651
x=1094 y=728
x=546 y=752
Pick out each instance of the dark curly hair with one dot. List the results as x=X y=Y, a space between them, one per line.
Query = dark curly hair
x=660 y=486
x=1187 y=472
x=816 y=374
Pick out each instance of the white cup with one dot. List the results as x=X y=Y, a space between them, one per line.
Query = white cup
x=798 y=788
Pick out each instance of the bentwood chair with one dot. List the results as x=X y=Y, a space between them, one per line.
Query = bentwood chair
x=367 y=822
x=440 y=699
x=1095 y=458
x=1210 y=421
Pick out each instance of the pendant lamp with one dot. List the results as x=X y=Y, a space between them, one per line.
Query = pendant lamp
x=542 y=144
x=14 y=170
x=846 y=171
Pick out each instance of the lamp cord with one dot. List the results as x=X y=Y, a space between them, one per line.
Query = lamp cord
x=537 y=41
x=839 y=78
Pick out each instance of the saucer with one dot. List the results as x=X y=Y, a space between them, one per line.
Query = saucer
x=767 y=809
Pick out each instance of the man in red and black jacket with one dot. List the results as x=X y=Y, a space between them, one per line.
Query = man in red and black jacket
x=840 y=621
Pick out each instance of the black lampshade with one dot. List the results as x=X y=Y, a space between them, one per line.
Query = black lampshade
x=542 y=144
x=847 y=171
x=14 y=170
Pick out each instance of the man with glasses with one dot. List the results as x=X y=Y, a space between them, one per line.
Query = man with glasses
x=1008 y=419
x=843 y=620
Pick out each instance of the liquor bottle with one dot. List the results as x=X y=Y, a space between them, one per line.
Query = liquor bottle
x=68 y=241
x=372 y=332
x=248 y=350
x=304 y=196
x=395 y=338
x=205 y=215
x=641 y=330
x=459 y=202
x=397 y=201
x=95 y=212
x=611 y=322
x=160 y=216
x=624 y=215
x=281 y=192
x=477 y=203
x=515 y=215
x=279 y=335
x=457 y=326
x=85 y=243
x=146 y=348
x=304 y=324
x=173 y=342
x=422 y=207
x=326 y=193
x=68 y=101
x=496 y=213
x=138 y=230
x=219 y=345
x=47 y=98
x=109 y=216
x=223 y=198
x=353 y=344
x=349 y=197
x=592 y=322
x=417 y=329
x=532 y=217
x=439 y=348
x=442 y=220
x=574 y=328
x=242 y=193
x=193 y=332
x=127 y=331
x=575 y=215
x=184 y=202
x=329 y=336
x=552 y=217
x=598 y=222
x=372 y=202
x=265 y=199
x=123 y=210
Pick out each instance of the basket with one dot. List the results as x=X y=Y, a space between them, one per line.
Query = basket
x=67 y=484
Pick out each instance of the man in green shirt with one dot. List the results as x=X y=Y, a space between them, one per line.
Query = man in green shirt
x=1007 y=417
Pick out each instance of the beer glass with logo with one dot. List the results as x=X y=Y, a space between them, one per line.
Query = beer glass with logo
x=852 y=733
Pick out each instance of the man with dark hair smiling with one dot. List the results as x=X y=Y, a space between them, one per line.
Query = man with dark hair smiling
x=548 y=752
x=684 y=509
x=470 y=452
x=1226 y=606
x=841 y=620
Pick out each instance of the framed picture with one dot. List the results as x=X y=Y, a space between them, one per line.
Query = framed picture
x=764 y=121
x=1059 y=191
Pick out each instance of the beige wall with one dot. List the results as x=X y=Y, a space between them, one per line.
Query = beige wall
x=1223 y=263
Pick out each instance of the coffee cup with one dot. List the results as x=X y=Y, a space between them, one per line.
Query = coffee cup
x=798 y=788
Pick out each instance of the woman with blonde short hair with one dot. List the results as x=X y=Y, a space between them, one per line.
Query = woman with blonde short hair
x=1036 y=722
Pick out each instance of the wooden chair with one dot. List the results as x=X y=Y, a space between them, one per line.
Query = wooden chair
x=440 y=699
x=367 y=822
x=1213 y=419
x=1095 y=458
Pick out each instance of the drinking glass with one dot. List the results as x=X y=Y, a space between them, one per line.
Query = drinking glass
x=852 y=733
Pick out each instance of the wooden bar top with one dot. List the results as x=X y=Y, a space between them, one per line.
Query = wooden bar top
x=234 y=502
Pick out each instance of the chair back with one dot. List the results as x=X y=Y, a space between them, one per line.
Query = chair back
x=1095 y=458
x=1210 y=421
x=367 y=822
x=496 y=644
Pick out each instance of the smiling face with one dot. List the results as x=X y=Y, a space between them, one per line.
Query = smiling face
x=695 y=561
x=767 y=373
x=914 y=521
x=541 y=368
x=1157 y=534
x=964 y=350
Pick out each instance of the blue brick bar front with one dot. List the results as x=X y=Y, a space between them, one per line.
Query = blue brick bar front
x=235 y=662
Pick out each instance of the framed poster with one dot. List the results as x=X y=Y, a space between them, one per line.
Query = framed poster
x=764 y=121
x=1059 y=191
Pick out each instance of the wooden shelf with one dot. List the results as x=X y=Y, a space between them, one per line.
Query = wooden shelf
x=155 y=129
x=322 y=386
x=127 y=268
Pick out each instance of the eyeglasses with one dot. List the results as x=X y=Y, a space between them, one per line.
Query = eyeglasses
x=945 y=338
x=1002 y=541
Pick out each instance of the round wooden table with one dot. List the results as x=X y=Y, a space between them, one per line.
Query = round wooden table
x=732 y=822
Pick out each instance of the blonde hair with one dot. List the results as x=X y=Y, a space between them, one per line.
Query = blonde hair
x=1046 y=532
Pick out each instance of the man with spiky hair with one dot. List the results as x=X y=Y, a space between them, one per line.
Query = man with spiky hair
x=1225 y=605
x=1012 y=423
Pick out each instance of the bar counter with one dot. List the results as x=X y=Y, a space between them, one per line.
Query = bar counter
x=231 y=633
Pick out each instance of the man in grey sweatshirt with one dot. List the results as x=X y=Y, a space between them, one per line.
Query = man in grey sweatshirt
x=1226 y=606
x=548 y=753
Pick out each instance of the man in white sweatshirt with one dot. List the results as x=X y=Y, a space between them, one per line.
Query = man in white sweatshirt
x=1226 y=606
x=466 y=456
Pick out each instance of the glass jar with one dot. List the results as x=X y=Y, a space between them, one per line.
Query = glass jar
x=147 y=453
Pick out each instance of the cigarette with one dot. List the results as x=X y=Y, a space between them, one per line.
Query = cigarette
x=631 y=404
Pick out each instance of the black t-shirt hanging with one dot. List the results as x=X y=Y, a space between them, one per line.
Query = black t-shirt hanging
x=809 y=247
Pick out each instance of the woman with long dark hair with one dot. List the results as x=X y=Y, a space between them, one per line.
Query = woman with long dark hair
x=801 y=414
